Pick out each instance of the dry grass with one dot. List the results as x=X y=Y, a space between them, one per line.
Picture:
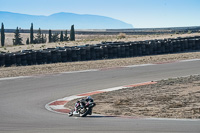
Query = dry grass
x=84 y=39
x=121 y=36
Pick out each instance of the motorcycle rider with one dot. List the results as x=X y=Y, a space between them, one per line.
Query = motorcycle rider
x=82 y=102
x=89 y=99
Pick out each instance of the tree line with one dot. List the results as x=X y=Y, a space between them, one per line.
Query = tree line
x=40 y=37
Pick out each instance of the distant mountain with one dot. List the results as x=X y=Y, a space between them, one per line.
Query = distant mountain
x=60 y=21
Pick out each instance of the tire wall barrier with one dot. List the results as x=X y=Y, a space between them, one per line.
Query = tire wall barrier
x=105 y=50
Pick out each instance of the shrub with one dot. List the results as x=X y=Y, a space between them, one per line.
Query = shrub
x=121 y=36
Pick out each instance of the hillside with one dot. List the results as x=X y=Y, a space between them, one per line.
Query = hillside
x=61 y=21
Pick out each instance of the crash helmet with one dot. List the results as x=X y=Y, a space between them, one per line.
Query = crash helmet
x=89 y=98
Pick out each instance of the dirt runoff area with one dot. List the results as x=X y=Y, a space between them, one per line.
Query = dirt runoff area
x=172 y=98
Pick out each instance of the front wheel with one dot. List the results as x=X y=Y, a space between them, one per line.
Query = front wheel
x=70 y=114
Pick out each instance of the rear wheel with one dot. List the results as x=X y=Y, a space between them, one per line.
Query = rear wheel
x=84 y=112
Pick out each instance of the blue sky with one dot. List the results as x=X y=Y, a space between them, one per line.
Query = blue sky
x=139 y=13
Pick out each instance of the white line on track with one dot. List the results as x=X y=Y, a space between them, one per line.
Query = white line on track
x=51 y=110
x=189 y=60
x=93 y=70
x=83 y=71
x=140 y=65
x=11 y=78
x=172 y=119
x=57 y=107
x=112 y=89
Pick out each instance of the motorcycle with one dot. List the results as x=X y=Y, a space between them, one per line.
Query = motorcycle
x=82 y=109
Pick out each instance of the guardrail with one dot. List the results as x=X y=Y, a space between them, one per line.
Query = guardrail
x=105 y=50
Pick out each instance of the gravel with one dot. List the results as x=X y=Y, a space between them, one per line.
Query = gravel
x=172 y=98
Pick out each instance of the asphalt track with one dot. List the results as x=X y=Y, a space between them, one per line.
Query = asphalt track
x=22 y=101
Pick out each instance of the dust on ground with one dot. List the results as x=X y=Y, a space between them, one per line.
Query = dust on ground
x=172 y=98
x=98 y=64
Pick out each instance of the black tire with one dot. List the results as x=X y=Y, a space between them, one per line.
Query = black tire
x=84 y=114
x=70 y=114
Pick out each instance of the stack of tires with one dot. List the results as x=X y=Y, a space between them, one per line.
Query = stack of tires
x=105 y=50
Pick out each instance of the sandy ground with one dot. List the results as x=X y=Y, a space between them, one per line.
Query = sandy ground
x=82 y=40
x=85 y=65
x=172 y=98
